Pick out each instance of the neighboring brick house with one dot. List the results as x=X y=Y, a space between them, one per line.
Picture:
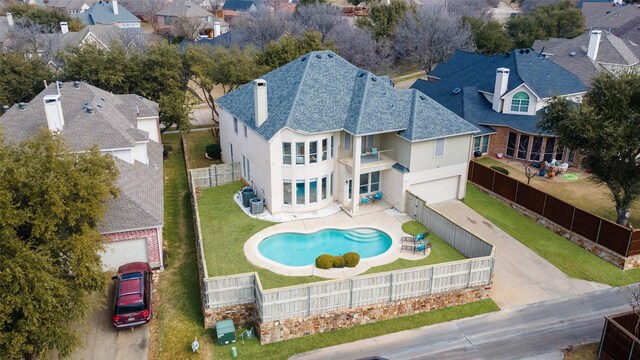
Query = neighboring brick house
x=326 y=131
x=207 y=24
x=505 y=96
x=106 y=12
x=590 y=54
x=124 y=126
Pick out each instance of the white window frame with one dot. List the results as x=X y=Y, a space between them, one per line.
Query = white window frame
x=313 y=155
x=284 y=155
x=245 y=130
x=300 y=155
x=235 y=125
x=312 y=200
x=439 y=143
x=284 y=193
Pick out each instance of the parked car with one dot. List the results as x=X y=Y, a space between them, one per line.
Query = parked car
x=132 y=295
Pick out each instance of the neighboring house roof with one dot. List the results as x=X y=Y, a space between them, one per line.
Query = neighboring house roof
x=466 y=75
x=239 y=5
x=104 y=34
x=4 y=29
x=102 y=13
x=111 y=126
x=321 y=92
x=571 y=54
x=608 y=15
x=227 y=39
x=184 y=8
x=67 y=5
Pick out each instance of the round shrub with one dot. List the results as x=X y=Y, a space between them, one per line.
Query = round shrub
x=166 y=150
x=324 y=261
x=500 y=169
x=214 y=152
x=338 y=261
x=351 y=259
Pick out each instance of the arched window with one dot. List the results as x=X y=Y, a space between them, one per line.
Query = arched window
x=520 y=102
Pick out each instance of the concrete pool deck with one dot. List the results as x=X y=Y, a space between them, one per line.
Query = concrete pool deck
x=376 y=218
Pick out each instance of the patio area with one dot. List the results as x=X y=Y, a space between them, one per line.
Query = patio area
x=376 y=216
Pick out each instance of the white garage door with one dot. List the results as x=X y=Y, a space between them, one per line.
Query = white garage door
x=122 y=252
x=437 y=190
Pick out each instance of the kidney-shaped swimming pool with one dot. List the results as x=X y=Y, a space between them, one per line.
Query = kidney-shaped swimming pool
x=295 y=249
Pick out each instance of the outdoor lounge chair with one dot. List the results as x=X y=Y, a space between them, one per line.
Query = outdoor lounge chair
x=414 y=239
x=419 y=247
x=378 y=196
x=365 y=201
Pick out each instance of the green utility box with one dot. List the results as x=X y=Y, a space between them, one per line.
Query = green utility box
x=226 y=332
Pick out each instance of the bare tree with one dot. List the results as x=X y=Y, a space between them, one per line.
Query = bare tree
x=431 y=35
x=34 y=39
x=475 y=8
x=186 y=27
x=632 y=294
x=530 y=172
x=262 y=26
x=358 y=47
x=146 y=9
x=323 y=18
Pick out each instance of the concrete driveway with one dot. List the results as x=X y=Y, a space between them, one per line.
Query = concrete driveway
x=103 y=342
x=521 y=276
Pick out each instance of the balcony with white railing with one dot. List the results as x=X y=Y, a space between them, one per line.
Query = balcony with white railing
x=372 y=160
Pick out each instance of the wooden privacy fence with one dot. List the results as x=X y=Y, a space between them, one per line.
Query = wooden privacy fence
x=610 y=235
x=308 y=299
x=460 y=239
x=215 y=175
x=618 y=341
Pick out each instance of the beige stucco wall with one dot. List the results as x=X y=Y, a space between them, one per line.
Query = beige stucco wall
x=402 y=147
x=456 y=151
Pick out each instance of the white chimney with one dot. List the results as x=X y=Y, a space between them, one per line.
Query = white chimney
x=594 y=44
x=53 y=112
x=9 y=18
x=260 y=101
x=216 y=29
x=500 y=87
x=64 y=27
x=115 y=6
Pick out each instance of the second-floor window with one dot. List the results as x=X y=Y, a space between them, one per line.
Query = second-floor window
x=168 y=20
x=286 y=153
x=235 y=125
x=300 y=153
x=520 y=102
x=439 y=150
x=324 y=149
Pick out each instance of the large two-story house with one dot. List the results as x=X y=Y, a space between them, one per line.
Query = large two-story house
x=505 y=96
x=319 y=130
x=123 y=126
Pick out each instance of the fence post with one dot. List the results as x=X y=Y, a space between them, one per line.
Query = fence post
x=493 y=181
x=633 y=344
x=629 y=243
x=309 y=300
x=433 y=274
x=390 y=287
x=598 y=234
x=573 y=216
x=350 y=293
x=470 y=268
x=544 y=204
x=606 y=322
x=215 y=174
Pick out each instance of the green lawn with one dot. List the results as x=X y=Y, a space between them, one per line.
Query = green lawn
x=225 y=228
x=572 y=259
x=283 y=350
x=197 y=142
x=178 y=312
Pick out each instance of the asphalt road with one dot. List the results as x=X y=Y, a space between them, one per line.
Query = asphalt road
x=515 y=333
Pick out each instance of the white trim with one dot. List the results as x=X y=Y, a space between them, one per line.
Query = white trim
x=517 y=89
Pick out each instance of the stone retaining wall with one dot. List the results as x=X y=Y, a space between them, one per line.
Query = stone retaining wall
x=275 y=331
x=240 y=314
x=625 y=263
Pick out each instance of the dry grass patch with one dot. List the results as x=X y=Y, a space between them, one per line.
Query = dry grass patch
x=582 y=352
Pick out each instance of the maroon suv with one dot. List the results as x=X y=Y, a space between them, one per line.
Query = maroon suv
x=132 y=299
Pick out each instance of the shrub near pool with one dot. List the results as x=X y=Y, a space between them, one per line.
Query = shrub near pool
x=338 y=261
x=324 y=261
x=351 y=259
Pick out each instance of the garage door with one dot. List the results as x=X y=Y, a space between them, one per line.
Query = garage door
x=122 y=252
x=437 y=190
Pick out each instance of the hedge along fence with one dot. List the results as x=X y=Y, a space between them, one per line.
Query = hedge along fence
x=617 y=238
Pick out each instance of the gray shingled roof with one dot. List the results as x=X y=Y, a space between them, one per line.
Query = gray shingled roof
x=111 y=126
x=106 y=34
x=69 y=4
x=4 y=29
x=239 y=5
x=102 y=13
x=612 y=50
x=321 y=92
x=608 y=15
x=186 y=8
x=473 y=73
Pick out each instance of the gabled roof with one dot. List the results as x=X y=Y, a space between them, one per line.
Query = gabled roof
x=184 y=8
x=105 y=34
x=227 y=39
x=322 y=92
x=608 y=15
x=69 y=4
x=571 y=54
x=466 y=76
x=102 y=13
x=239 y=5
x=111 y=126
x=544 y=77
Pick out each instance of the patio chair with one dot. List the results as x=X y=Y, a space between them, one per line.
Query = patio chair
x=419 y=247
x=378 y=196
x=365 y=201
x=375 y=153
x=414 y=239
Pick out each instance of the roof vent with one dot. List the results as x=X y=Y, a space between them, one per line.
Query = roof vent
x=319 y=56
x=456 y=90
x=422 y=97
x=507 y=54
x=60 y=84
x=22 y=106
x=373 y=78
x=76 y=84
x=573 y=53
x=363 y=74
x=5 y=108
x=89 y=109
x=521 y=51
x=330 y=55
x=303 y=59
x=99 y=106
x=527 y=50
x=102 y=99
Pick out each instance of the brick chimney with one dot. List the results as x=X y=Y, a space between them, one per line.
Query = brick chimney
x=594 y=44
x=260 y=101
x=500 y=87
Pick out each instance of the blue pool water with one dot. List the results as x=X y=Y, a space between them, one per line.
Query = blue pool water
x=294 y=249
